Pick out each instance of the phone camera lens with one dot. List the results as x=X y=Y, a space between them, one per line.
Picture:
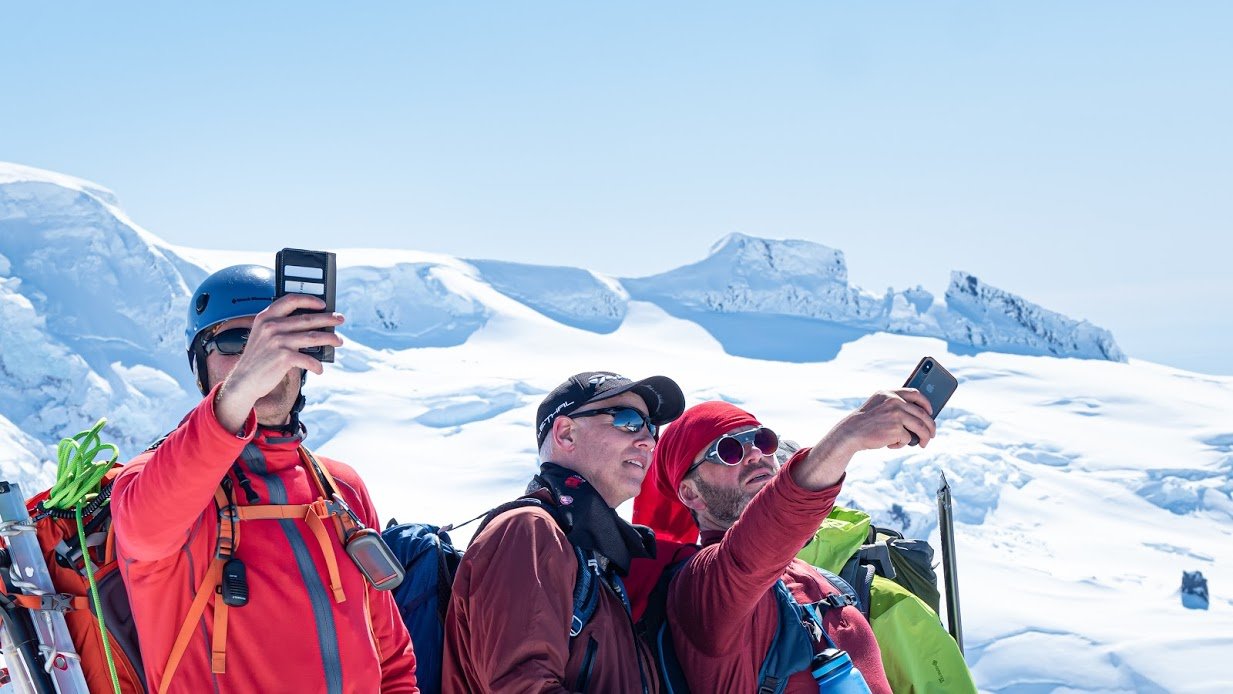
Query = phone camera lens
x=928 y=366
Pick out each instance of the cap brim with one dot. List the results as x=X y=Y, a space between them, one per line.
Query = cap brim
x=663 y=397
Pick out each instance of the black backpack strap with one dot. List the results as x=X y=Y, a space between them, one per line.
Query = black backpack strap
x=858 y=577
x=653 y=629
x=847 y=594
x=447 y=566
x=586 y=593
x=520 y=502
x=158 y=442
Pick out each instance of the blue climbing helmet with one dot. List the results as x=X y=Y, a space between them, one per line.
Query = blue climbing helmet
x=233 y=292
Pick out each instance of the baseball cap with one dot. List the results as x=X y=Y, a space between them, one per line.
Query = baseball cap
x=663 y=397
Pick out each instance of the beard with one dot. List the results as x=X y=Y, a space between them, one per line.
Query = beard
x=723 y=503
x=274 y=408
x=726 y=504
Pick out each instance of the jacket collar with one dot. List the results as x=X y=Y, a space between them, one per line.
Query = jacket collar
x=589 y=522
x=278 y=447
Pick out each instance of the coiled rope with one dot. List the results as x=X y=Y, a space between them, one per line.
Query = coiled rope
x=76 y=489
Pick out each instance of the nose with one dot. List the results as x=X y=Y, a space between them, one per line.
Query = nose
x=643 y=439
x=752 y=455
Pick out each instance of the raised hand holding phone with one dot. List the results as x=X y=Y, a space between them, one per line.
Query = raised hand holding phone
x=314 y=273
x=935 y=383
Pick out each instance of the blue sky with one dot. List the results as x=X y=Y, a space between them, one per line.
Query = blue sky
x=1078 y=154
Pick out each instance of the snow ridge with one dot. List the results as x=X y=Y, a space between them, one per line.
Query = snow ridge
x=747 y=275
x=989 y=318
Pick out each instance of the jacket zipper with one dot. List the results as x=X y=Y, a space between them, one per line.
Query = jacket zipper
x=588 y=661
x=633 y=630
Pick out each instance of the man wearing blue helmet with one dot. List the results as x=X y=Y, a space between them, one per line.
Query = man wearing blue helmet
x=286 y=609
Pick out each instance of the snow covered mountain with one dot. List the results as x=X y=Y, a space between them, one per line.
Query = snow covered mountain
x=752 y=276
x=1085 y=482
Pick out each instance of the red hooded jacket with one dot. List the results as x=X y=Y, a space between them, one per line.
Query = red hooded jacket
x=721 y=607
x=292 y=635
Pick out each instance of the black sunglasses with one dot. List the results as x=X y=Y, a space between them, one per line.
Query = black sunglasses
x=626 y=418
x=229 y=342
x=731 y=449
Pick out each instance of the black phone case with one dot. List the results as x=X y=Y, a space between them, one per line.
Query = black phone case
x=935 y=383
x=297 y=271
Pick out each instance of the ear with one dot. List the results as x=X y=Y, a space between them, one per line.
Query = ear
x=688 y=493
x=564 y=434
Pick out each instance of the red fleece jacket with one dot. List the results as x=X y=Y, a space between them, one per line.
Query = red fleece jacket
x=292 y=635
x=721 y=606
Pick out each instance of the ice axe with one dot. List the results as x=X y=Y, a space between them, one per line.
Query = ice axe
x=951 y=578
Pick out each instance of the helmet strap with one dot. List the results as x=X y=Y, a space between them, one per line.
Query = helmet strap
x=295 y=424
x=197 y=360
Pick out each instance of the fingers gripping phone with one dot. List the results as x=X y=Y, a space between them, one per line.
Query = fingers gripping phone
x=298 y=271
x=935 y=383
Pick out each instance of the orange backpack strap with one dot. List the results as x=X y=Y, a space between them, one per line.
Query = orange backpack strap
x=318 y=511
x=272 y=512
x=109 y=548
x=320 y=475
x=52 y=601
x=206 y=590
x=344 y=518
x=228 y=539
x=218 y=649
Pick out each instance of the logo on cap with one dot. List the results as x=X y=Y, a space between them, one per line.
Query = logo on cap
x=547 y=420
x=601 y=379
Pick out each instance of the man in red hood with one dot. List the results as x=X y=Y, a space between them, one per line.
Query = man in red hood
x=714 y=473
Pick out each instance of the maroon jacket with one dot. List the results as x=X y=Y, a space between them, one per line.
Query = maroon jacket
x=508 y=624
x=721 y=606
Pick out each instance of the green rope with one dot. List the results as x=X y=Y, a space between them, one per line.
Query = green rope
x=77 y=481
x=78 y=476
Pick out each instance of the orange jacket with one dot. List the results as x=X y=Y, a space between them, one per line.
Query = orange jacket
x=292 y=635
x=721 y=607
x=508 y=624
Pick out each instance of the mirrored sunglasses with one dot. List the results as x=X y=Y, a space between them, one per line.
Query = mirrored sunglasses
x=731 y=449
x=625 y=418
x=229 y=342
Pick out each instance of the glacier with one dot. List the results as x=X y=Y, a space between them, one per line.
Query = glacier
x=1085 y=480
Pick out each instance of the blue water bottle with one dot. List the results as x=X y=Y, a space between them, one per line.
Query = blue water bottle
x=835 y=674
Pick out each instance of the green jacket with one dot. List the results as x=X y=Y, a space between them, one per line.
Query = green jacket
x=919 y=655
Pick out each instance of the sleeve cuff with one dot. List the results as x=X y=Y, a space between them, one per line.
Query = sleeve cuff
x=250 y=424
x=788 y=485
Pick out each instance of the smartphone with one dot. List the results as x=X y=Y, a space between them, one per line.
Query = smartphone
x=935 y=383
x=297 y=271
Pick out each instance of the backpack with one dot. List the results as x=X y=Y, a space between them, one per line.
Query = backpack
x=1194 y=590
x=888 y=554
x=58 y=540
x=791 y=650
x=430 y=561
x=65 y=561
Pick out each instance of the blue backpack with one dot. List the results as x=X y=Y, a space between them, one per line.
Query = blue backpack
x=430 y=560
x=791 y=651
